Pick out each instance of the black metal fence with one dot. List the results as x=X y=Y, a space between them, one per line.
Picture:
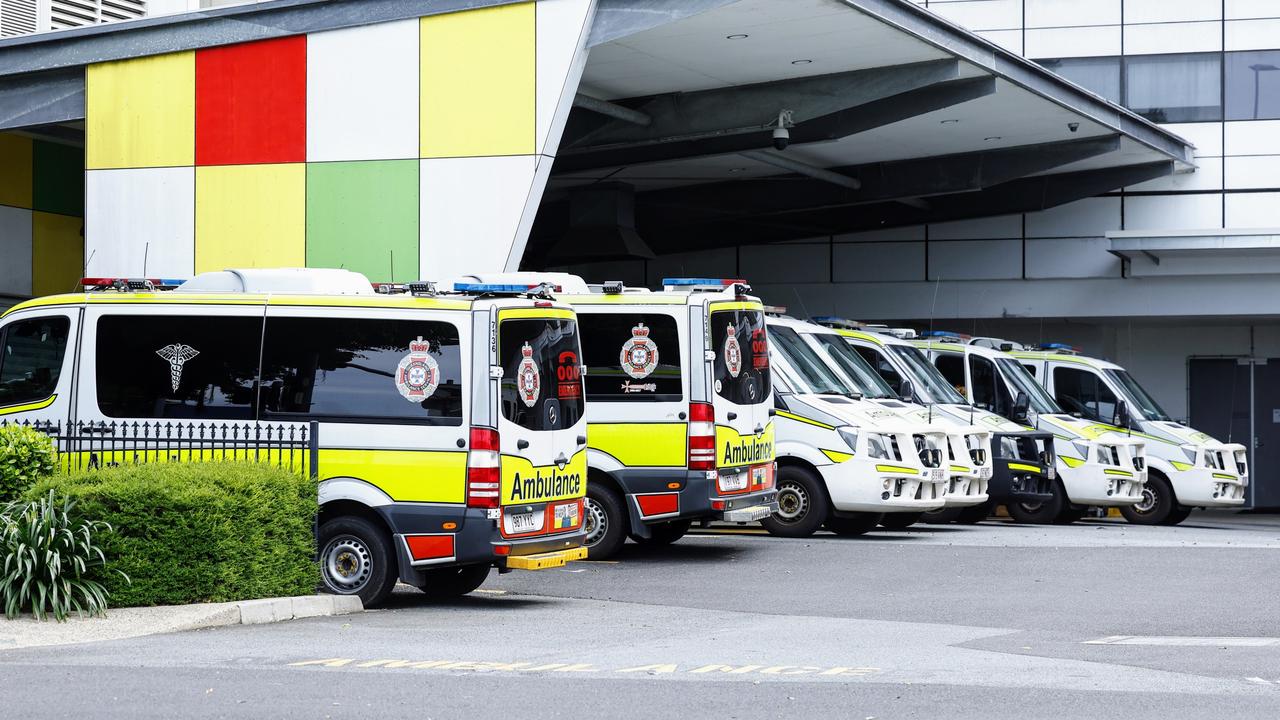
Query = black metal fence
x=89 y=445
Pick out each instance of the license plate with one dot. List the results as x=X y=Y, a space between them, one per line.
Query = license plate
x=1051 y=472
x=523 y=523
x=736 y=481
x=937 y=475
x=984 y=473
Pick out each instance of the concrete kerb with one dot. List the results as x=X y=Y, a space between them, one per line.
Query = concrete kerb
x=123 y=623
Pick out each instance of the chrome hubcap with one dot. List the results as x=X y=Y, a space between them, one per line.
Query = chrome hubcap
x=793 y=502
x=1148 y=501
x=596 y=523
x=348 y=564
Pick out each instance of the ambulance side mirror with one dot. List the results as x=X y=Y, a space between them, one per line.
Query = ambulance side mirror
x=1122 y=418
x=907 y=392
x=1021 y=405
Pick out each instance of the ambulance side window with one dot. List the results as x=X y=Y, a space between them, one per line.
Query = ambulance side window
x=989 y=391
x=359 y=370
x=177 y=366
x=952 y=368
x=32 y=359
x=1031 y=368
x=1080 y=391
x=631 y=357
x=877 y=360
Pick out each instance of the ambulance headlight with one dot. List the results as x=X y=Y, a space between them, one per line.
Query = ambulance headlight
x=878 y=446
x=1190 y=451
x=849 y=434
x=1082 y=447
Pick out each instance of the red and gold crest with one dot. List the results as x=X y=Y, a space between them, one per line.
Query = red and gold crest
x=418 y=374
x=528 y=379
x=639 y=354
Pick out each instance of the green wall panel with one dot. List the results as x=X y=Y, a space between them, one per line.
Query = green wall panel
x=363 y=216
x=58 y=178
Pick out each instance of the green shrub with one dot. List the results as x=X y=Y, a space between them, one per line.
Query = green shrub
x=50 y=560
x=201 y=532
x=26 y=455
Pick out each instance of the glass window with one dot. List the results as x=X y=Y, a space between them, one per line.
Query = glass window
x=1253 y=85
x=178 y=366
x=881 y=365
x=362 y=370
x=1023 y=382
x=807 y=364
x=1083 y=392
x=989 y=391
x=631 y=357
x=1098 y=74
x=741 y=368
x=952 y=368
x=931 y=385
x=1139 y=399
x=32 y=359
x=1032 y=370
x=865 y=379
x=542 y=373
x=1174 y=88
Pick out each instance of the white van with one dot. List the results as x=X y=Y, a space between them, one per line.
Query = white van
x=448 y=431
x=1185 y=468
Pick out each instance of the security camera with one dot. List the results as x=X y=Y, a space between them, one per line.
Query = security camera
x=781 y=138
x=1073 y=126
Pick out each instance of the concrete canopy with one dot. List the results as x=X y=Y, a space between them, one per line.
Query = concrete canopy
x=896 y=117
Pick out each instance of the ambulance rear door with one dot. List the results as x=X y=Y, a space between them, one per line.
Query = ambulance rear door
x=741 y=387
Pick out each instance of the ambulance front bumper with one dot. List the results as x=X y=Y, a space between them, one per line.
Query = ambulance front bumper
x=1025 y=472
x=1106 y=485
x=967 y=488
x=1206 y=487
x=877 y=486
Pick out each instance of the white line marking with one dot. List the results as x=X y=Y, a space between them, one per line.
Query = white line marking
x=1257 y=680
x=1185 y=641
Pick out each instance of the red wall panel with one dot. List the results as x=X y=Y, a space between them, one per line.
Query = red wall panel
x=251 y=103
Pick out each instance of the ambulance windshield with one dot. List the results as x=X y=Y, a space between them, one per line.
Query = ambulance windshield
x=808 y=365
x=867 y=380
x=930 y=384
x=1139 y=399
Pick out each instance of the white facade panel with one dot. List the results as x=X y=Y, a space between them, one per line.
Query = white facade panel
x=1252 y=34
x=985 y=15
x=128 y=233
x=471 y=212
x=1071 y=258
x=1004 y=226
x=719 y=262
x=1252 y=137
x=1091 y=217
x=1246 y=9
x=1207 y=176
x=975 y=260
x=1073 y=42
x=794 y=262
x=562 y=27
x=879 y=262
x=1010 y=40
x=1207 y=137
x=1253 y=210
x=1161 y=11
x=1056 y=13
x=1183 y=37
x=15 y=248
x=1253 y=172
x=362 y=93
x=1173 y=212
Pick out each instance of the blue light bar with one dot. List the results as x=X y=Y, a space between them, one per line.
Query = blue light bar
x=941 y=334
x=491 y=288
x=1057 y=346
x=686 y=282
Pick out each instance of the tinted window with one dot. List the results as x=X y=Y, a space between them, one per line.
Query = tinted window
x=952 y=368
x=933 y=386
x=631 y=357
x=808 y=366
x=881 y=364
x=1099 y=74
x=1081 y=391
x=741 y=368
x=1175 y=88
x=358 y=370
x=542 y=373
x=178 y=366
x=1253 y=85
x=32 y=359
x=989 y=391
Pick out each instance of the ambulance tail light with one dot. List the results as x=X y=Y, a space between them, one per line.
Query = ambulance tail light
x=702 y=436
x=484 y=468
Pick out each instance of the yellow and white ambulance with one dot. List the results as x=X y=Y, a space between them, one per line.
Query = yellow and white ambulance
x=449 y=429
x=850 y=455
x=1185 y=468
x=1098 y=464
x=681 y=393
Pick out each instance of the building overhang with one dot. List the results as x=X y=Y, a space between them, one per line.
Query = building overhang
x=1147 y=253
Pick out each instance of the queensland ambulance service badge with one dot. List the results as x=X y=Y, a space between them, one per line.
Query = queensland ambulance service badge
x=528 y=379
x=639 y=354
x=418 y=374
x=732 y=353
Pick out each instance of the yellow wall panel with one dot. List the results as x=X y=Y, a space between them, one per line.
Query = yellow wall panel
x=15 y=170
x=478 y=71
x=141 y=112
x=57 y=253
x=250 y=216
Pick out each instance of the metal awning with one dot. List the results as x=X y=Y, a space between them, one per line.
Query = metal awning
x=1150 y=253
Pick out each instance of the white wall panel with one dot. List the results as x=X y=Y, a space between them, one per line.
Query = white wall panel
x=1073 y=42
x=1252 y=34
x=1252 y=137
x=1155 y=11
x=1071 y=258
x=561 y=45
x=984 y=15
x=140 y=217
x=975 y=260
x=362 y=93
x=1207 y=176
x=1010 y=40
x=1206 y=136
x=1057 y=13
x=1183 y=37
x=785 y=263
x=879 y=262
x=1004 y=226
x=1091 y=217
x=1173 y=212
x=1253 y=210
x=1253 y=172
x=717 y=263
x=15 y=251
x=471 y=212
x=1238 y=9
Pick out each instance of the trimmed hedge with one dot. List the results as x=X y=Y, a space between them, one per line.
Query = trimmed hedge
x=26 y=455
x=200 y=532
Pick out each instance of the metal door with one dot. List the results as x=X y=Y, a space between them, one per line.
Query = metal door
x=1265 y=480
x=1221 y=403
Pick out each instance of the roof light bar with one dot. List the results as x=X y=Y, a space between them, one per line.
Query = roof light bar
x=835 y=322
x=701 y=282
x=130 y=284
x=943 y=335
x=1060 y=348
x=505 y=288
x=775 y=309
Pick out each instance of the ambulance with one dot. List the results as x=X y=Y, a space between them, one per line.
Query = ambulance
x=1023 y=470
x=681 y=393
x=850 y=455
x=449 y=428
x=1185 y=468
x=1098 y=464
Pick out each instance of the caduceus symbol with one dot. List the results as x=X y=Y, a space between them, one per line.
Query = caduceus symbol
x=177 y=354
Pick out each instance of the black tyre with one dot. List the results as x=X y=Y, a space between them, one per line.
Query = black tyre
x=802 y=504
x=606 y=523
x=1157 y=505
x=976 y=513
x=862 y=524
x=942 y=516
x=1041 y=513
x=900 y=521
x=452 y=582
x=1180 y=513
x=665 y=533
x=356 y=559
x=1070 y=514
